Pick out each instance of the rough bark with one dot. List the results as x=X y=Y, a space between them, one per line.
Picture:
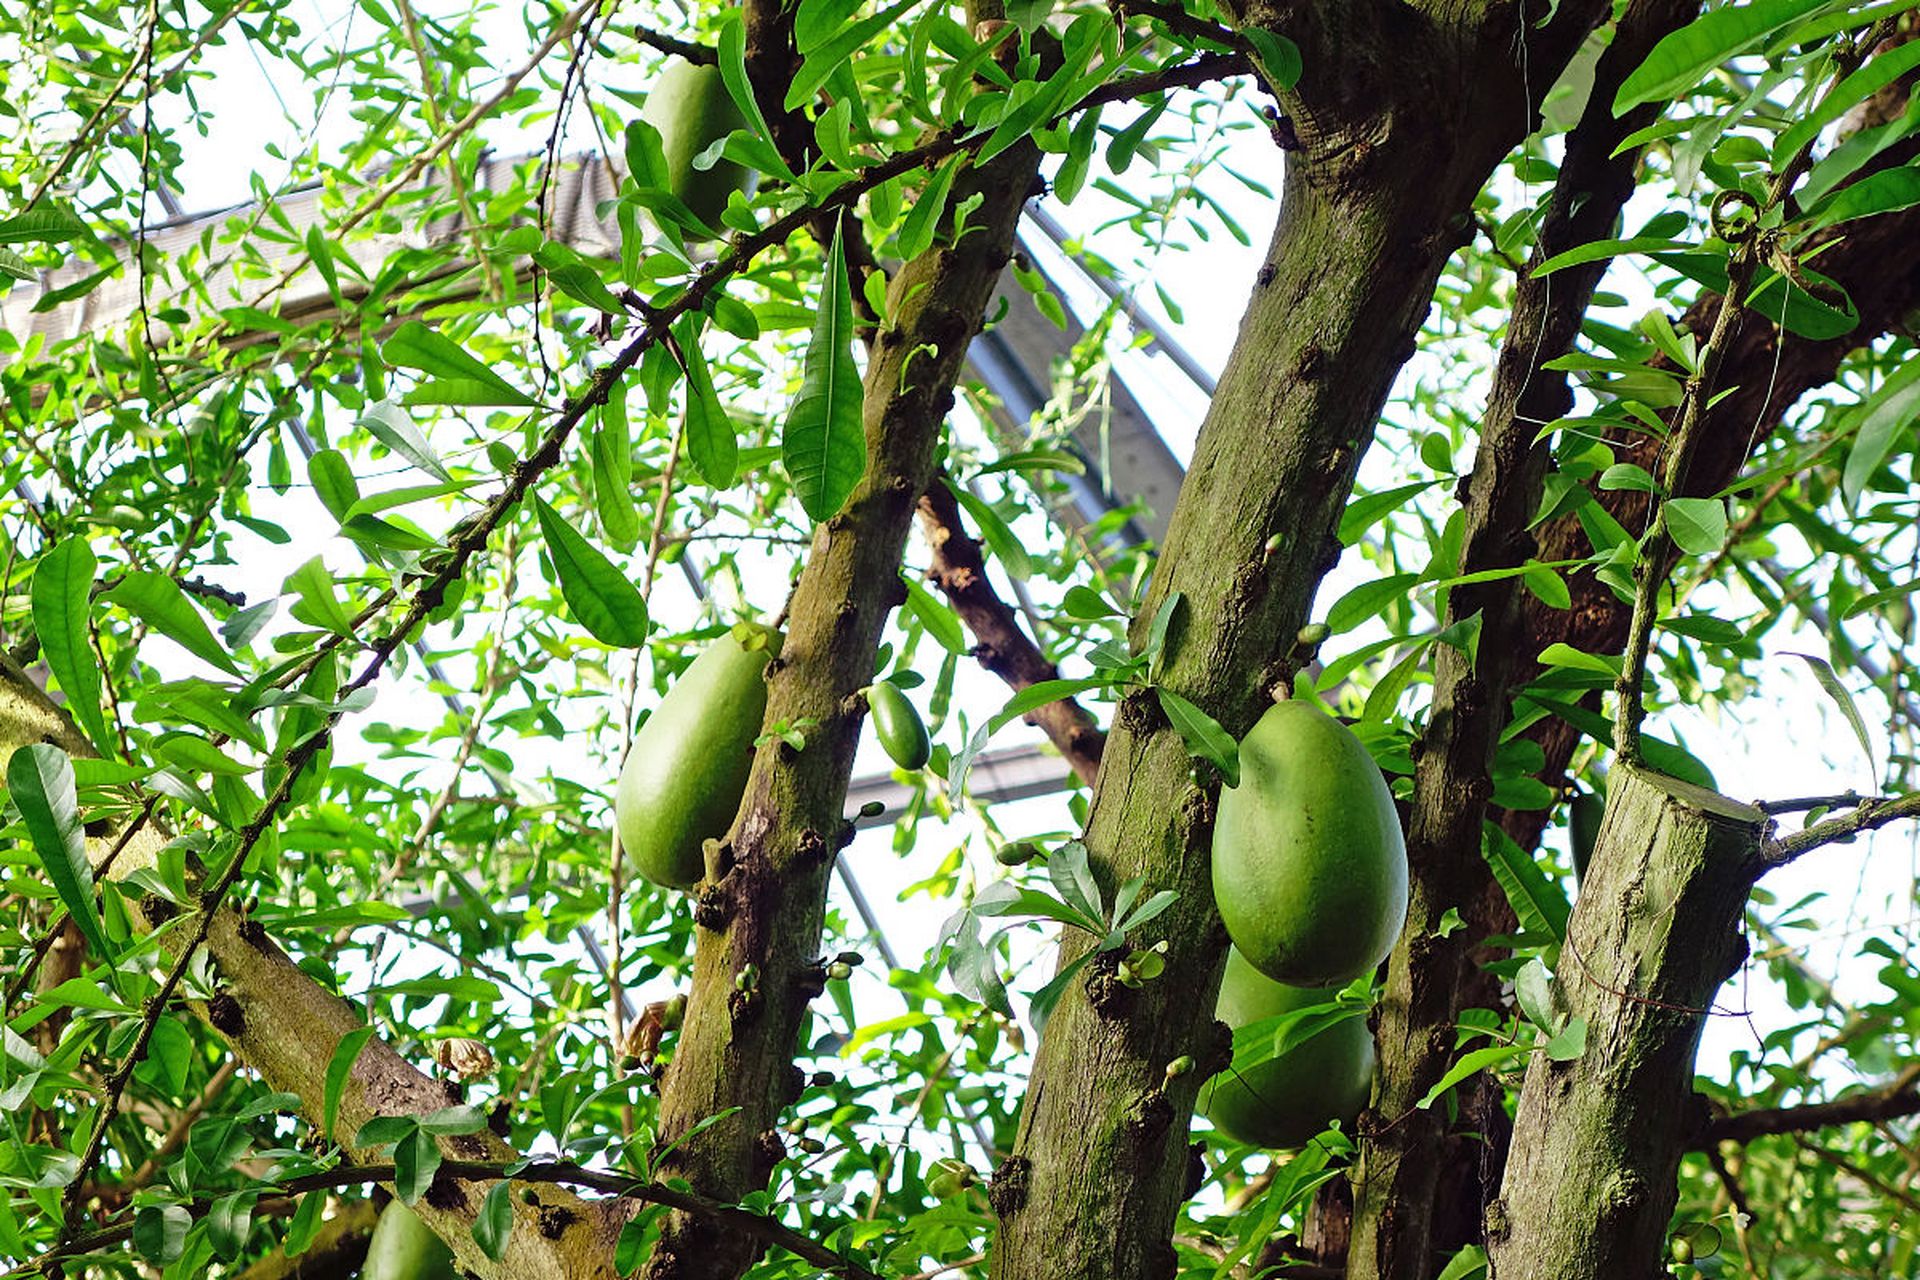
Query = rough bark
x=1590 y=1183
x=761 y=910
x=286 y=1027
x=1410 y=1202
x=1000 y=644
x=336 y=1252
x=1393 y=149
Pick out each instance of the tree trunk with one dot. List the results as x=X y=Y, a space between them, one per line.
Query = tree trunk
x=762 y=914
x=1590 y=1182
x=1392 y=152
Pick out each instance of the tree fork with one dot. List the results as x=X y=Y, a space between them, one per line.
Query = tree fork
x=1590 y=1182
x=764 y=912
x=1374 y=204
x=1410 y=1202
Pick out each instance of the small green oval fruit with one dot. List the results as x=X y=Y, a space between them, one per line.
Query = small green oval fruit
x=1583 y=828
x=404 y=1248
x=1309 y=866
x=690 y=106
x=1016 y=854
x=902 y=734
x=688 y=765
x=1285 y=1101
x=1681 y=1248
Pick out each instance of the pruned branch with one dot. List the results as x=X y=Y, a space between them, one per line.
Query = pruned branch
x=1001 y=645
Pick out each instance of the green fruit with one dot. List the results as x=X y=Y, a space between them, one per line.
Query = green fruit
x=1583 y=828
x=1309 y=866
x=403 y=1248
x=1285 y=1101
x=902 y=734
x=688 y=765
x=691 y=108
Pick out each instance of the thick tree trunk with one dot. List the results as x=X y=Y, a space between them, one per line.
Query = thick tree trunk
x=1411 y=1202
x=763 y=913
x=1393 y=152
x=1590 y=1181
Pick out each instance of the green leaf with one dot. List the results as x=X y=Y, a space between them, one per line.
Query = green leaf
x=1830 y=682
x=819 y=65
x=1547 y=585
x=1088 y=604
x=1040 y=694
x=393 y=427
x=158 y=601
x=1684 y=57
x=613 y=472
x=319 y=604
x=1698 y=526
x=824 y=445
x=494 y=1223
x=1472 y=1064
x=414 y=346
x=574 y=276
x=1569 y=1042
x=1468 y=1264
x=61 y=591
x=333 y=483
x=999 y=537
x=1877 y=74
x=938 y=620
x=42 y=226
x=917 y=230
x=1202 y=734
x=160 y=1231
x=712 y=442
x=40 y=780
x=1538 y=903
x=603 y=599
x=1364 y=512
x=1279 y=59
x=1367 y=599
x=1882 y=419
x=1068 y=870
x=416 y=1158
x=1594 y=250
x=339 y=1068
x=1888 y=191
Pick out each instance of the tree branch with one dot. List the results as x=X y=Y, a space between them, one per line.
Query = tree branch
x=698 y=54
x=1002 y=647
x=1898 y=1100
x=1870 y=816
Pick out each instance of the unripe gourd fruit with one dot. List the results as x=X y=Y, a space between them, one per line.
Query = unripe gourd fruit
x=1309 y=865
x=688 y=765
x=1285 y=1101
x=690 y=106
x=902 y=734
x=405 y=1248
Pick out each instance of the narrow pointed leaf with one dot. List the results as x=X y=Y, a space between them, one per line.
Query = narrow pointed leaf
x=158 y=600
x=61 y=592
x=824 y=446
x=414 y=346
x=603 y=599
x=712 y=442
x=40 y=780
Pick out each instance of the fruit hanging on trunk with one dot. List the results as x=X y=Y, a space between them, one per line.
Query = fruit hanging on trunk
x=404 y=1248
x=1309 y=865
x=1284 y=1101
x=688 y=765
x=690 y=106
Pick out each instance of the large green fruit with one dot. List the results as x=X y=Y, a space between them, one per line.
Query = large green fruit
x=1309 y=866
x=1285 y=1101
x=403 y=1248
x=691 y=108
x=902 y=734
x=688 y=765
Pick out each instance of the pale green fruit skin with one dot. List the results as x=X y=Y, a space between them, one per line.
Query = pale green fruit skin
x=690 y=106
x=403 y=1248
x=688 y=765
x=1285 y=1101
x=901 y=731
x=1309 y=864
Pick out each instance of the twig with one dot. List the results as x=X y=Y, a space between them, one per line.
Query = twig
x=551 y=1172
x=698 y=54
x=1801 y=804
x=1871 y=815
x=1897 y=1100
x=1751 y=243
